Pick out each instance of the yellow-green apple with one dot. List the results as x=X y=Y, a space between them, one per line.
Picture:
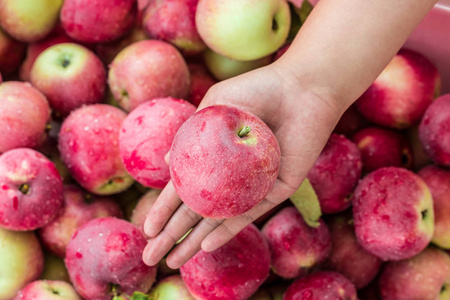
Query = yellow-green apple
x=89 y=147
x=58 y=36
x=173 y=21
x=171 y=288
x=383 y=147
x=31 y=190
x=70 y=76
x=434 y=131
x=393 y=213
x=336 y=173
x=24 y=113
x=143 y=147
x=29 y=21
x=201 y=81
x=295 y=247
x=97 y=21
x=223 y=67
x=54 y=268
x=146 y=70
x=438 y=181
x=400 y=95
x=234 y=271
x=47 y=290
x=347 y=257
x=223 y=161
x=321 y=285
x=21 y=261
x=243 y=29
x=425 y=276
x=104 y=260
x=11 y=53
x=142 y=208
x=79 y=208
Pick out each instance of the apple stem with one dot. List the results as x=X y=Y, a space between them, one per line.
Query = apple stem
x=244 y=131
x=25 y=188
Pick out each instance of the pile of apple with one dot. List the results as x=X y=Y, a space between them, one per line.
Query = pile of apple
x=96 y=92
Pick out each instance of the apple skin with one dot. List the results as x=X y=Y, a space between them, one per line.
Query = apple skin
x=36 y=48
x=173 y=21
x=350 y=122
x=31 y=190
x=29 y=21
x=321 y=285
x=393 y=213
x=336 y=173
x=201 y=81
x=147 y=70
x=295 y=247
x=222 y=67
x=382 y=147
x=438 y=181
x=79 y=208
x=420 y=157
x=89 y=147
x=234 y=271
x=347 y=257
x=142 y=208
x=70 y=76
x=217 y=173
x=257 y=29
x=47 y=290
x=11 y=53
x=54 y=268
x=170 y=288
x=425 y=277
x=146 y=136
x=24 y=114
x=21 y=261
x=97 y=21
x=434 y=132
x=400 y=95
x=107 y=252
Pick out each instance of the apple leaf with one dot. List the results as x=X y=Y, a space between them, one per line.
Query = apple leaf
x=307 y=203
x=139 y=296
x=305 y=10
x=298 y=17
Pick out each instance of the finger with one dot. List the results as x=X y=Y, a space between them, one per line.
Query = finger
x=229 y=228
x=191 y=244
x=180 y=223
x=164 y=207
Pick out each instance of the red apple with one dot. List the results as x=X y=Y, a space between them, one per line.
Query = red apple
x=234 y=271
x=11 y=53
x=400 y=95
x=201 y=81
x=425 y=277
x=336 y=173
x=351 y=122
x=31 y=190
x=146 y=136
x=142 y=208
x=320 y=286
x=434 y=131
x=173 y=21
x=24 y=114
x=96 y=21
x=146 y=70
x=79 y=208
x=393 y=213
x=295 y=247
x=382 y=147
x=89 y=147
x=104 y=259
x=70 y=76
x=47 y=290
x=223 y=161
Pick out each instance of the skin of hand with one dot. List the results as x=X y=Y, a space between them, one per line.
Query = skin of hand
x=337 y=54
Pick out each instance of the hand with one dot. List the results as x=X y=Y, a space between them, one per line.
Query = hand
x=302 y=122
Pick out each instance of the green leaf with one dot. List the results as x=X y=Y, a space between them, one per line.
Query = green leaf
x=304 y=11
x=306 y=201
x=139 y=296
x=295 y=22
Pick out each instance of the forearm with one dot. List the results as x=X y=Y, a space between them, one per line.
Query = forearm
x=345 y=44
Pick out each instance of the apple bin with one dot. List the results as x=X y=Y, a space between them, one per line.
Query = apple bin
x=104 y=136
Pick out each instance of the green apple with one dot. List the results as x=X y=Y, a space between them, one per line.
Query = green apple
x=21 y=261
x=169 y=288
x=222 y=67
x=243 y=29
x=29 y=21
